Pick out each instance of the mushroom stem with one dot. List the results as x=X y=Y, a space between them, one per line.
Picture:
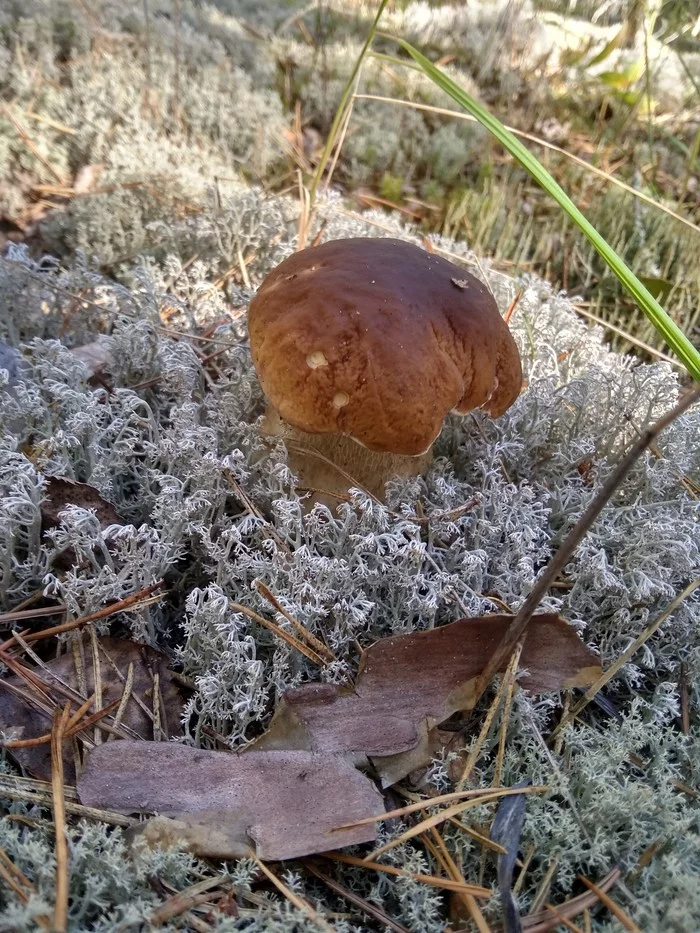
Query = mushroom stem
x=330 y=464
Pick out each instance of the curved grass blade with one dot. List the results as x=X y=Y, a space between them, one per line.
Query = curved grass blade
x=672 y=334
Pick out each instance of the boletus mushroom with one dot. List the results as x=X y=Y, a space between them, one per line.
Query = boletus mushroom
x=362 y=346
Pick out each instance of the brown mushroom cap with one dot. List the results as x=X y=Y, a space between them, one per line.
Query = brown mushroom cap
x=378 y=339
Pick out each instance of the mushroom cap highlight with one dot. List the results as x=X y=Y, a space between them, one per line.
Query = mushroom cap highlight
x=377 y=339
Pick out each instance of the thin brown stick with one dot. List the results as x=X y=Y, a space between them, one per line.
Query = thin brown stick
x=60 y=914
x=280 y=633
x=509 y=678
x=28 y=142
x=510 y=311
x=120 y=606
x=432 y=880
x=477 y=836
x=469 y=901
x=517 y=627
x=293 y=898
x=614 y=908
x=21 y=614
x=18 y=882
x=97 y=678
x=41 y=739
x=157 y=731
x=426 y=802
x=181 y=902
x=315 y=643
x=376 y=913
x=440 y=817
x=473 y=756
x=562 y=919
x=544 y=920
x=455 y=114
x=76 y=809
x=606 y=676
x=125 y=697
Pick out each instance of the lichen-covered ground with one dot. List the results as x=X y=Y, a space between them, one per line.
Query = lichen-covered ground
x=166 y=431
x=118 y=118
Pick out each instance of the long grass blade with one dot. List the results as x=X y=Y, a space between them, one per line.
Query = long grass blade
x=672 y=334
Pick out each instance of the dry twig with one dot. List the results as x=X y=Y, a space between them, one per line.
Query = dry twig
x=563 y=555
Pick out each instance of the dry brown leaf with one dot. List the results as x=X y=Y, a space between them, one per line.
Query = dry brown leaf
x=22 y=719
x=93 y=355
x=61 y=492
x=285 y=804
x=409 y=684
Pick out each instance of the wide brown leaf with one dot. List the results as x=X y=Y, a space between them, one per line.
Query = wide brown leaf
x=409 y=684
x=220 y=804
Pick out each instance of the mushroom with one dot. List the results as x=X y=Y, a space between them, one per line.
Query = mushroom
x=362 y=346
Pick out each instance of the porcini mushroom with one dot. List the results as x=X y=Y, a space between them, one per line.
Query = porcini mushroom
x=362 y=346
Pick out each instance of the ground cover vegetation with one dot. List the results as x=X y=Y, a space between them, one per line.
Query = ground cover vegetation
x=155 y=162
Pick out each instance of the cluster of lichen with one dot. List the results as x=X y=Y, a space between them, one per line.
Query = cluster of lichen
x=163 y=444
x=174 y=99
x=179 y=115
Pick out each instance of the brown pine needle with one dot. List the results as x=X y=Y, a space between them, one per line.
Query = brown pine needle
x=606 y=676
x=630 y=338
x=485 y=728
x=28 y=142
x=614 y=908
x=449 y=865
x=293 y=898
x=97 y=677
x=544 y=921
x=60 y=914
x=512 y=306
x=370 y=909
x=123 y=604
x=455 y=114
x=304 y=213
x=446 y=883
x=440 y=817
x=302 y=631
x=280 y=633
x=561 y=919
x=426 y=802
x=157 y=731
x=18 y=615
x=181 y=902
x=73 y=726
x=509 y=678
x=478 y=837
x=18 y=882
x=125 y=697
x=567 y=548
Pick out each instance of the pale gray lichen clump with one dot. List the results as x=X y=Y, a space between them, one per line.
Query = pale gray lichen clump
x=164 y=443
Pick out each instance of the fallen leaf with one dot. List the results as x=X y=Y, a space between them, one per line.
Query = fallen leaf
x=61 y=492
x=409 y=684
x=93 y=355
x=220 y=804
x=22 y=718
x=506 y=829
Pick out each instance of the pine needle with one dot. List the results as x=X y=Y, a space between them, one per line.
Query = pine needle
x=625 y=657
x=614 y=908
x=293 y=898
x=60 y=916
x=440 y=817
x=445 y=883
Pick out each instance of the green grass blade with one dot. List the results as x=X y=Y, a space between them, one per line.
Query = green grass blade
x=672 y=334
x=344 y=99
